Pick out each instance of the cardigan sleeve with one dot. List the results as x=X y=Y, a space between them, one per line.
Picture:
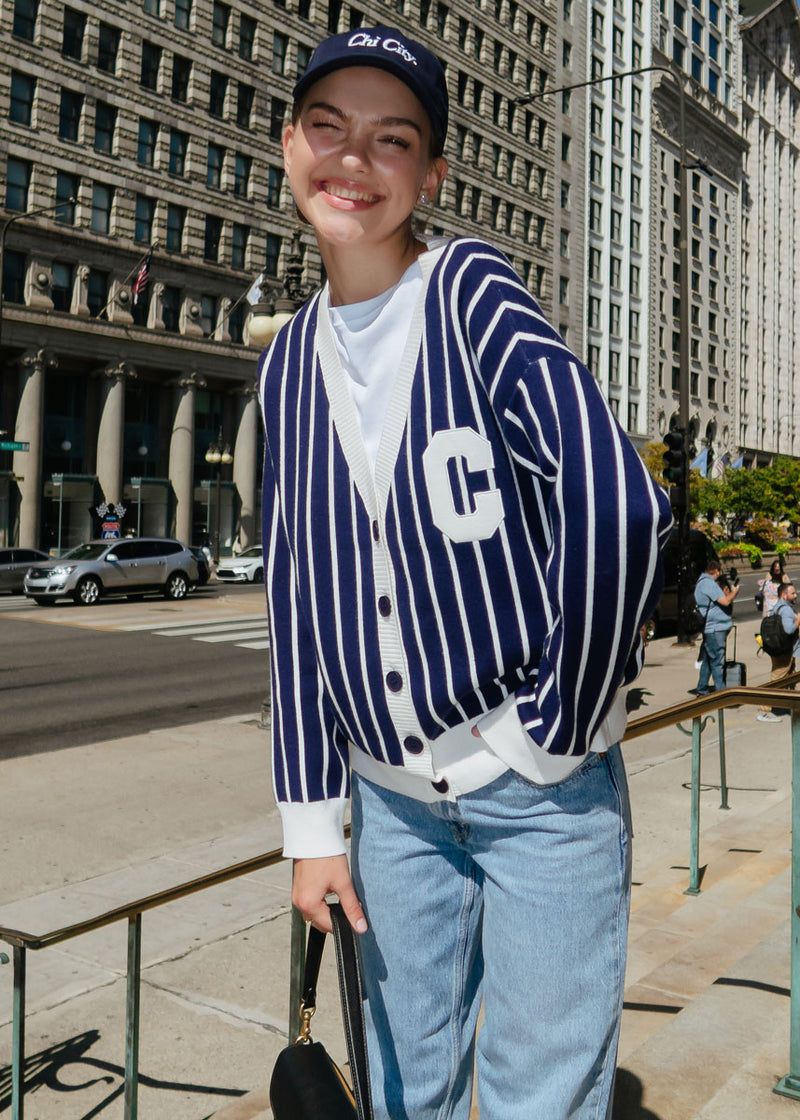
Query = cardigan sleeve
x=310 y=767
x=606 y=520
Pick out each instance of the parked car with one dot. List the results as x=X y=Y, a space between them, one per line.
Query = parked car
x=247 y=567
x=14 y=563
x=114 y=567
x=203 y=566
x=665 y=616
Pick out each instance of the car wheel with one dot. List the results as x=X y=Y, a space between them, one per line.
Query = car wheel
x=258 y=575
x=41 y=601
x=177 y=586
x=650 y=629
x=87 y=592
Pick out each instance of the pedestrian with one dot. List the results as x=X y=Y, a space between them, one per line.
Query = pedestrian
x=715 y=603
x=783 y=661
x=768 y=588
x=461 y=546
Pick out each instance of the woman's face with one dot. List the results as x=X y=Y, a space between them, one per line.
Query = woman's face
x=775 y=571
x=358 y=156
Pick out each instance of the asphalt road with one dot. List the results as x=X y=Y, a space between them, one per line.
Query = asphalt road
x=63 y=686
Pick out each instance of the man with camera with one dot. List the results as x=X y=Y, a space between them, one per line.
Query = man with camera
x=715 y=603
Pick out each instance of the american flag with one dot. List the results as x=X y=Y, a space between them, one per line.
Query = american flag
x=140 y=283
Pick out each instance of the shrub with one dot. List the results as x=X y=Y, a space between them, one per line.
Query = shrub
x=731 y=551
x=761 y=532
x=715 y=533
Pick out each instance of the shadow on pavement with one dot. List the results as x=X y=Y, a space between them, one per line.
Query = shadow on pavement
x=44 y=1069
x=628 y=1091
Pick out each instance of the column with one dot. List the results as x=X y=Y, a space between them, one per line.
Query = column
x=111 y=429
x=27 y=465
x=181 y=455
x=245 y=465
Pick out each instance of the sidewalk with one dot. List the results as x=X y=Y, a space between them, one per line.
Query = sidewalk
x=88 y=828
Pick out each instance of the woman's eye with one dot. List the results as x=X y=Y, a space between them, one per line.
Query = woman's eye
x=397 y=140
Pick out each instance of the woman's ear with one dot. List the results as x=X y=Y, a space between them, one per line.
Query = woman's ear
x=433 y=178
x=288 y=141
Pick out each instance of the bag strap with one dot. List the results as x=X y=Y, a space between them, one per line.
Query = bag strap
x=349 y=971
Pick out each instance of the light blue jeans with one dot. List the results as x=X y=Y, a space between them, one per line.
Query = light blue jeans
x=712 y=659
x=518 y=895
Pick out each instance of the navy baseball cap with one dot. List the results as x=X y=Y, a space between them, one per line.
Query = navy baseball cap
x=387 y=49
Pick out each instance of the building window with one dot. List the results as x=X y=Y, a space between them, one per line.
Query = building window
x=152 y=7
x=107 y=48
x=145 y=212
x=593 y=360
x=148 y=135
x=595 y=215
x=181 y=73
x=272 y=254
x=74 y=30
x=564 y=242
x=216 y=158
x=241 y=175
x=280 y=45
x=66 y=189
x=219 y=26
x=616 y=267
x=247 y=38
x=595 y=259
x=303 y=58
x=18 y=179
x=70 y=114
x=244 y=105
x=25 y=12
x=277 y=116
x=565 y=147
x=697 y=68
x=594 y=312
x=213 y=234
x=176 y=220
x=239 y=241
x=151 y=60
x=614 y=318
x=613 y=367
x=183 y=12
x=105 y=121
x=61 y=291
x=97 y=293
x=216 y=94
x=20 y=108
x=563 y=289
x=178 y=144
x=274 y=186
x=102 y=201
x=209 y=309
x=170 y=307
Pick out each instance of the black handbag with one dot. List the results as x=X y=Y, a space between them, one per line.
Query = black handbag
x=306 y=1083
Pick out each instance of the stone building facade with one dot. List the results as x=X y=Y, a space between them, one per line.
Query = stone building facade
x=769 y=392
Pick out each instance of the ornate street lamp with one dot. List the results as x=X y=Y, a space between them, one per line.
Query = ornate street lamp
x=218 y=455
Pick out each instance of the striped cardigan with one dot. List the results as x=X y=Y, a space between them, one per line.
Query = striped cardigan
x=507 y=545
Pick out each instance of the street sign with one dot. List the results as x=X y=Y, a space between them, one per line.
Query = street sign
x=13 y=445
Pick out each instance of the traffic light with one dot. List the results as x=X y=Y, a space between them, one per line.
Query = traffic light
x=674 y=469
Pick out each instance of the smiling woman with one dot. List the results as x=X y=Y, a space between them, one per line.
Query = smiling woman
x=358 y=157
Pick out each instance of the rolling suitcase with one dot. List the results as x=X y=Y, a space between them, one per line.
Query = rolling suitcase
x=735 y=672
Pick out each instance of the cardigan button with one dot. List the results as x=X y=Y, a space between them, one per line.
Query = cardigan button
x=376 y=531
x=394 y=682
x=413 y=744
x=385 y=606
x=441 y=786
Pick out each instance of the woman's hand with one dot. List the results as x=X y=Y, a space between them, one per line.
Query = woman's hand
x=313 y=879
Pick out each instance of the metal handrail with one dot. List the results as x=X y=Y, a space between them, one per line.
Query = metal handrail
x=695 y=709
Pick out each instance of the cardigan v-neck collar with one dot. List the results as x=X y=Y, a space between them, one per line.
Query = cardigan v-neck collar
x=374 y=490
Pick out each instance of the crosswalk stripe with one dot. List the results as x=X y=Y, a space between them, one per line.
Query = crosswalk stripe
x=229 y=637
x=210 y=628
x=210 y=618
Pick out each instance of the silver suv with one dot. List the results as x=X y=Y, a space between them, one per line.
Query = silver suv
x=115 y=567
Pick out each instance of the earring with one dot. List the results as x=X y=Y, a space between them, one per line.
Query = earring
x=423 y=198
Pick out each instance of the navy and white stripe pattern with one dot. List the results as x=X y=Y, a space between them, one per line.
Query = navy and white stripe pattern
x=509 y=544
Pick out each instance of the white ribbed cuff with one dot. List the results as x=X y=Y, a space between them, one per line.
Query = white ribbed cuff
x=313 y=828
